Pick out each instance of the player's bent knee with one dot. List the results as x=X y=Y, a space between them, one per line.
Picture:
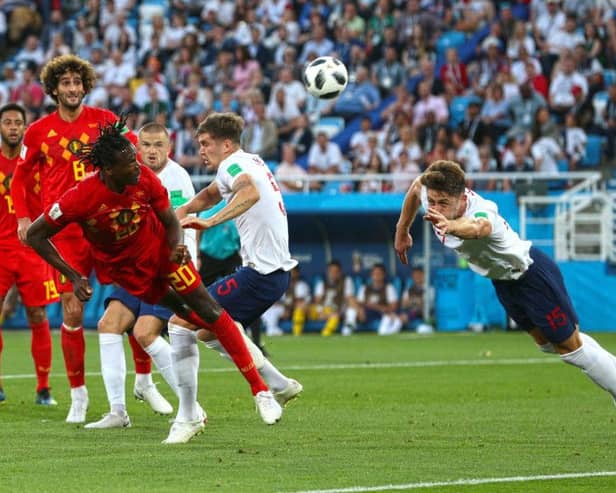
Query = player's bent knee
x=35 y=314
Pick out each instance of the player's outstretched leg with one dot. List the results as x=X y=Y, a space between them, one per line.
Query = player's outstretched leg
x=283 y=388
x=596 y=362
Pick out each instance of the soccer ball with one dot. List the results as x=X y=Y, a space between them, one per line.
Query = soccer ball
x=326 y=77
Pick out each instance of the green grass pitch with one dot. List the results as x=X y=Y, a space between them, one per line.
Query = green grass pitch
x=401 y=413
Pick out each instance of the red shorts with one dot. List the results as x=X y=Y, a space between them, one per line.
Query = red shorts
x=149 y=278
x=32 y=275
x=76 y=251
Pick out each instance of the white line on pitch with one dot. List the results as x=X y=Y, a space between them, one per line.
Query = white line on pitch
x=355 y=366
x=464 y=482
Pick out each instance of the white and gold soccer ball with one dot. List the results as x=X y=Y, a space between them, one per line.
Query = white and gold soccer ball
x=326 y=77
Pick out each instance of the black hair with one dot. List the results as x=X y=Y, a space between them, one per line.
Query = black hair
x=13 y=107
x=111 y=141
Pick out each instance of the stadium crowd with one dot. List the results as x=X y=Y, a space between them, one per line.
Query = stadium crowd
x=495 y=85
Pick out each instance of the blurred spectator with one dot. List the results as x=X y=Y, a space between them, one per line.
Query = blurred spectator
x=290 y=175
x=324 y=156
x=412 y=304
x=565 y=82
x=428 y=103
x=243 y=70
x=488 y=165
x=118 y=29
x=194 y=99
x=495 y=112
x=402 y=102
x=143 y=95
x=473 y=125
x=226 y=102
x=546 y=152
x=390 y=133
x=453 y=74
x=408 y=144
x=376 y=302
x=153 y=108
x=56 y=24
x=588 y=67
x=523 y=109
x=32 y=51
x=403 y=171
x=301 y=137
x=428 y=132
x=319 y=44
x=566 y=38
x=518 y=67
x=428 y=75
x=261 y=135
x=376 y=166
x=293 y=88
x=467 y=153
x=417 y=47
x=122 y=102
x=489 y=65
x=358 y=97
x=544 y=125
x=331 y=297
x=413 y=15
x=284 y=110
x=389 y=72
x=538 y=81
x=117 y=71
x=520 y=39
x=186 y=150
x=575 y=141
x=370 y=154
x=29 y=93
x=292 y=306
x=359 y=140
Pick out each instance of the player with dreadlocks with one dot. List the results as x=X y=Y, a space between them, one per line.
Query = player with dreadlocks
x=50 y=149
x=127 y=219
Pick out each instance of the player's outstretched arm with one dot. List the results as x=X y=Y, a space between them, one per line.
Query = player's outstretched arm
x=403 y=239
x=38 y=238
x=205 y=199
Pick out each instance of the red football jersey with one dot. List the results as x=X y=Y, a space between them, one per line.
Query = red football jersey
x=121 y=228
x=49 y=147
x=8 y=220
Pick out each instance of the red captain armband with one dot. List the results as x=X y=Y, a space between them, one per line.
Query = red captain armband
x=184 y=278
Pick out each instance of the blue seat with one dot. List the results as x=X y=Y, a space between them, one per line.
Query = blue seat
x=331 y=125
x=449 y=39
x=609 y=77
x=594 y=148
x=457 y=109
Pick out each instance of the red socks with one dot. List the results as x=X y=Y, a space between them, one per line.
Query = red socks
x=74 y=349
x=143 y=362
x=233 y=341
x=41 y=353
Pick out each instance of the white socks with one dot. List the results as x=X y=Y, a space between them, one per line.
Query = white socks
x=160 y=352
x=185 y=358
x=113 y=368
x=389 y=324
x=275 y=380
x=596 y=362
x=350 y=318
x=271 y=318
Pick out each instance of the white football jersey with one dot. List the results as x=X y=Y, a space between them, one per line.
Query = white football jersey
x=180 y=188
x=263 y=229
x=502 y=255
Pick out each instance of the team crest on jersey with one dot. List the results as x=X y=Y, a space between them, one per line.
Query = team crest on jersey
x=5 y=183
x=75 y=146
x=125 y=217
